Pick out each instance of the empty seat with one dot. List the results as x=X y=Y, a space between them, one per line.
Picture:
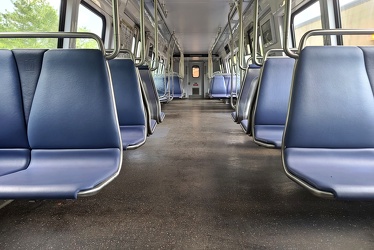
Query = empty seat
x=177 y=89
x=232 y=85
x=248 y=111
x=329 y=136
x=151 y=93
x=129 y=103
x=161 y=84
x=270 y=110
x=14 y=147
x=72 y=147
x=218 y=87
x=247 y=91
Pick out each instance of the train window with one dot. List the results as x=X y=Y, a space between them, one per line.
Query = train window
x=357 y=14
x=195 y=71
x=306 y=19
x=133 y=45
x=89 y=20
x=29 y=16
x=138 y=50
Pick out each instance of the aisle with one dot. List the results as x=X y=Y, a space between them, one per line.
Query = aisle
x=198 y=182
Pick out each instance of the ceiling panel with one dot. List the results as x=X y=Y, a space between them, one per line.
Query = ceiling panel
x=196 y=22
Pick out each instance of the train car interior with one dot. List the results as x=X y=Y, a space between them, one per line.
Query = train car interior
x=186 y=124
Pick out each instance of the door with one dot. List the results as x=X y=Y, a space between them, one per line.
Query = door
x=195 y=79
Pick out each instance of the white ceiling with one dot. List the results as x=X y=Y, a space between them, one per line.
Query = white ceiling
x=196 y=22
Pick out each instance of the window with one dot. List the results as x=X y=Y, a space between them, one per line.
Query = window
x=308 y=18
x=89 y=20
x=357 y=14
x=139 y=48
x=251 y=44
x=30 y=16
x=195 y=71
x=133 y=45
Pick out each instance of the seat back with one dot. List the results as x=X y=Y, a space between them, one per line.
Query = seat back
x=150 y=92
x=218 y=87
x=177 y=86
x=73 y=104
x=129 y=101
x=270 y=110
x=161 y=85
x=247 y=91
x=331 y=105
x=232 y=84
x=14 y=146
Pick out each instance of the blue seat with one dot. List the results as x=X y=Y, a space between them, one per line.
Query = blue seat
x=178 y=90
x=233 y=83
x=246 y=94
x=15 y=151
x=217 y=87
x=270 y=110
x=129 y=103
x=328 y=142
x=70 y=145
x=161 y=84
x=151 y=94
x=248 y=111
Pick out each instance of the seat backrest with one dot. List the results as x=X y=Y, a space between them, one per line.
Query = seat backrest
x=232 y=84
x=73 y=105
x=13 y=124
x=252 y=72
x=177 y=85
x=273 y=91
x=150 y=92
x=29 y=63
x=160 y=83
x=218 y=85
x=332 y=103
x=129 y=101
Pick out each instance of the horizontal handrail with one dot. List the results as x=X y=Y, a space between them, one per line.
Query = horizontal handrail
x=123 y=51
x=276 y=50
x=55 y=35
x=333 y=32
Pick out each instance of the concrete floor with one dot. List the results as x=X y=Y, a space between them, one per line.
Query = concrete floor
x=197 y=183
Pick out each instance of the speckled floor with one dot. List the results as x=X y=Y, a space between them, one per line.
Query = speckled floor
x=197 y=183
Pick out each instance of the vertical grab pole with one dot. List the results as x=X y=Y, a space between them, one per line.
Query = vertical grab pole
x=231 y=14
x=286 y=30
x=142 y=35
x=255 y=34
x=116 y=27
x=156 y=36
x=167 y=88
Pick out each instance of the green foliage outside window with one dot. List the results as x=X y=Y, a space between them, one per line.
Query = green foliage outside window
x=34 y=16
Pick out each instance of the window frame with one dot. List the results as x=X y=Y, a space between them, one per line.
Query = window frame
x=99 y=14
x=192 y=71
x=298 y=11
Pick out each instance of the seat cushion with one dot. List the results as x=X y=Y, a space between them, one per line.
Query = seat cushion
x=244 y=125
x=269 y=134
x=133 y=136
x=162 y=116
x=153 y=125
x=60 y=174
x=347 y=173
x=13 y=160
x=234 y=116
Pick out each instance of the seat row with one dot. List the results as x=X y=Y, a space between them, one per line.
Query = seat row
x=263 y=100
x=319 y=111
x=65 y=125
x=166 y=91
x=223 y=86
